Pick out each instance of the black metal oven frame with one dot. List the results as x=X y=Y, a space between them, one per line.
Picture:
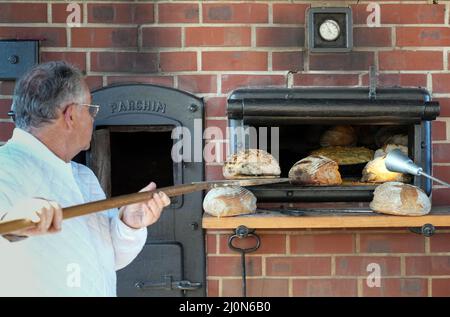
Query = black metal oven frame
x=273 y=107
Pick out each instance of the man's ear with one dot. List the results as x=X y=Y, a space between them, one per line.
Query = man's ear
x=68 y=115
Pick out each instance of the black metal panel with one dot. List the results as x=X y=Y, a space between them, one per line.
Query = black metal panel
x=421 y=154
x=16 y=57
x=329 y=93
x=294 y=120
x=145 y=276
x=290 y=193
x=294 y=106
x=143 y=104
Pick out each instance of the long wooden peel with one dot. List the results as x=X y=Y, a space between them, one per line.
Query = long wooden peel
x=123 y=200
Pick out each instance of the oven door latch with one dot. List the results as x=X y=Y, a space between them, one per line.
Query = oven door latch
x=167 y=283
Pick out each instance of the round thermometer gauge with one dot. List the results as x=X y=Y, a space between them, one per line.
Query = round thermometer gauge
x=329 y=30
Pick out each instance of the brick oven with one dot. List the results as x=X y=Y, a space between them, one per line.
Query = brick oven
x=211 y=49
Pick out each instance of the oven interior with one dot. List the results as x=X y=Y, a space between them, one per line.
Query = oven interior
x=298 y=141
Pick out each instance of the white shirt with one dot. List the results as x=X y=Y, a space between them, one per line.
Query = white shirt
x=82 y=259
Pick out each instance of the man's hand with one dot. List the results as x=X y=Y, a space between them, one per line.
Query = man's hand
x=144 y=214
x=46 y=214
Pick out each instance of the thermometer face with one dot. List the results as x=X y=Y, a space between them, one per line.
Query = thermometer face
x=329 y=30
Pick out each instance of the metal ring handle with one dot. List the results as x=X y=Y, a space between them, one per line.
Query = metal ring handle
x=241 y=233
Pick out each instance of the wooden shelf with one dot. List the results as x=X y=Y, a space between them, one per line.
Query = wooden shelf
x=438 y=217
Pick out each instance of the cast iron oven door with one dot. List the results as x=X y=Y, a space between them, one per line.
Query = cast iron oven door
x=303 y=114
x=131 y=146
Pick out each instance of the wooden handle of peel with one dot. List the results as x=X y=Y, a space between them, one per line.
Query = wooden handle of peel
x=102 y=205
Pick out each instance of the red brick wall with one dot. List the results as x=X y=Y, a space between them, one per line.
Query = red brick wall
x=331 y=263
x=210 y=48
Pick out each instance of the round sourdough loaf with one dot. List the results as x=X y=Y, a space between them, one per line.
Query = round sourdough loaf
x=376 y=172
x=399 y=139
x=343 y=135
x=315 y=170
x=229 y=201
x=400 y=199
x=389 y=147
x=251 y=163
x=345 y=155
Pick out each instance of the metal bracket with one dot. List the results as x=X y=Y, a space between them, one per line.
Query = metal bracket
x=284 y=211
x=373 y=81
x=427 y=230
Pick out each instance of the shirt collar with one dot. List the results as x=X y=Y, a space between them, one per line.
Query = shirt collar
x=36 y=148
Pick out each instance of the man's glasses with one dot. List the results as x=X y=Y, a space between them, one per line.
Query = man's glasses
x=93 y=109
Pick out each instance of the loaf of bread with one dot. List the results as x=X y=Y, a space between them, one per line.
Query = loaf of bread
x=229 y=201
x=345 y=155
x=251 y=163
x=400 y=199
x=340 y=135
x=391 y=134
x=315 y=170
x=399 y=139
x=389 y=147
x=376 y=172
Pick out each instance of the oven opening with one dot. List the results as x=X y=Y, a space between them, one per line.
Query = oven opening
x=298 y=141
x=140 y=154
x=127 y=158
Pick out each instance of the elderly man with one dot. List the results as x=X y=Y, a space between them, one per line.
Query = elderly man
x=54 y=121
